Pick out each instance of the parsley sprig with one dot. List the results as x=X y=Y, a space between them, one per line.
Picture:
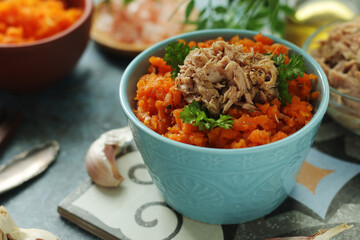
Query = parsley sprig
x=175 y=54
x=240 y=14
x=195 y=114
x=125 y=2
x=289 y=71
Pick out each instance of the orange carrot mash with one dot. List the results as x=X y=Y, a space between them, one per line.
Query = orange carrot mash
x=29 y=20
x=159 y=104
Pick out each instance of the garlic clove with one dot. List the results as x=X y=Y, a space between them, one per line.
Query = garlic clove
x=36 y=234
x=326 y=234
x=322 y=234
x=7 y=224
x=9 y=230
x=101 y=157
x=110 y=154
x=101 y=169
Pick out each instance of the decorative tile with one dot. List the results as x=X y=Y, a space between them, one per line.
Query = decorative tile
x=328 y=186
x=136 y=211
x=310 y=176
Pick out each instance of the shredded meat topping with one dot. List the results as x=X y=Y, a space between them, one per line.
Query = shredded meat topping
x=339 y=56
x=224 y=75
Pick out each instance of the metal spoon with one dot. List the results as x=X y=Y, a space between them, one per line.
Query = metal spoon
x=27 y=165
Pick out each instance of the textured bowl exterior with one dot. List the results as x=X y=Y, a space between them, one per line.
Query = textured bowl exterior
x=34 y=66
x=220 y=186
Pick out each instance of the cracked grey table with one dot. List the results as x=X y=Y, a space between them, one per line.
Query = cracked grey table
x=85 y=104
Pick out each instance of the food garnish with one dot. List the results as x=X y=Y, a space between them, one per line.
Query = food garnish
x=294 y=68
x=224 y=75
x=195 y=114
x=175 y=54
x=127 y=1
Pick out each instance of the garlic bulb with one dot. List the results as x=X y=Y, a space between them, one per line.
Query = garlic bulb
x=101 y=157
x=9 y=230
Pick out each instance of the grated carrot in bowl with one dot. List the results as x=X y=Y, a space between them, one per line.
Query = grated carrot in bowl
x=24 y=21
x=159 y=105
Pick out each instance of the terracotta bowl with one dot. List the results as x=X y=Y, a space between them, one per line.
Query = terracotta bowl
x=34 y=66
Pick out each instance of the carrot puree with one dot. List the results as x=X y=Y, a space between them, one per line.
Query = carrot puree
x=159 y=104
x=30 y=20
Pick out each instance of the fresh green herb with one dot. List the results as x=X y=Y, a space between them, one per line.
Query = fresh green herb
x=195 y=114
x=175 y=54
x=127 y=2
x=240 y=14
x=289 y=71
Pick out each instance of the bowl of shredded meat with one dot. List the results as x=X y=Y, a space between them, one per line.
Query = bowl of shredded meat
x=336 y=47
x=223 y=120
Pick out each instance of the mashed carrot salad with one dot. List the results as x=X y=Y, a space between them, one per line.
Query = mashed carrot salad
x=220 y=94
x=29 y=20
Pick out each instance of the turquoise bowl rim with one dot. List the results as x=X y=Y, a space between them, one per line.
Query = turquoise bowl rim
x=126 y=106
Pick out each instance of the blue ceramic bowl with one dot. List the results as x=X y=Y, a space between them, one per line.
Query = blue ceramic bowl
x=221 y=186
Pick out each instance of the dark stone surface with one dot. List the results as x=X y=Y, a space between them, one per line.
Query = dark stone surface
x=74 y=112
